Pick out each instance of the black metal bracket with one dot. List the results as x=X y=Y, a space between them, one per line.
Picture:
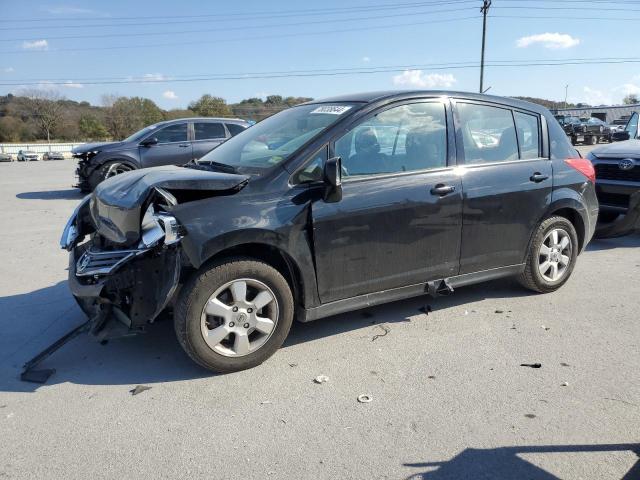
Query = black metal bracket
x=41 y=376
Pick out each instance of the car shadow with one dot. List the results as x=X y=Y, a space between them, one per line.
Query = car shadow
x=507 y=463
x=628 y=241
x=34 y=320
x=68 y=194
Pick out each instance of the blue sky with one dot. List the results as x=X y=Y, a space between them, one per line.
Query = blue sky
x=168 y=40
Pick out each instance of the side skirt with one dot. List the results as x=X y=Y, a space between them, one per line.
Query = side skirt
x=385 y=296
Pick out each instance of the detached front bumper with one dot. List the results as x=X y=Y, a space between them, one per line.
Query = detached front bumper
x=133 y=287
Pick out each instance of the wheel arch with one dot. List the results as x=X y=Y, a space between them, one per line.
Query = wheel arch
x=277 y=258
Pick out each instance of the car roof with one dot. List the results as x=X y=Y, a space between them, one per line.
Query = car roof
x=370 y=97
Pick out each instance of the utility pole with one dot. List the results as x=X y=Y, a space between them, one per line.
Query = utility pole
x=566 y=94
x=484 y=10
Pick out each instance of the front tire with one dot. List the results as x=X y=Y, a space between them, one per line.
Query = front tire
x=234 y=315
x=552 y=256
x=107 y=170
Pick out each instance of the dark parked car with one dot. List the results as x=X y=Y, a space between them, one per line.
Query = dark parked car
x=53 y=156
x=617 y=177
x=586 y=130
x=26 y=156
x=174 y=142
x=376 y=197
x=5 y=157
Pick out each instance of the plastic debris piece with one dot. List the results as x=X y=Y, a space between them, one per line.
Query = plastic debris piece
x=293 y=365
x=546 y=328
x=564 y=364
x=385 y=329
x=265 y=402
x=499 y=311
x=431 y=377
x=531 y=365
x=365 y=398
x=564 y=384
x=139 y=389
x=529 y=415
x=321 y=379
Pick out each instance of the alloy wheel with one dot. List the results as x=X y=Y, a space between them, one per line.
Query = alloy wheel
x=117 y=168
x=554 y=256
x=239 y=317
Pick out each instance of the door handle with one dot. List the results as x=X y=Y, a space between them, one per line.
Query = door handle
x=184 y=146
x=442 y=189
x=538 y=177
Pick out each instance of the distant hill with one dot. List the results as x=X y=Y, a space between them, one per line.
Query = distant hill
x=550 y=104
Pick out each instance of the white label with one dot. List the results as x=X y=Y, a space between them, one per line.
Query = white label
x=332 y=109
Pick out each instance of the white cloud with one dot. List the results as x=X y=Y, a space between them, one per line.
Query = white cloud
x=35 y=45
x=553 y=41
x=366 y=59
x=170 y=95
x=417 y=78
x=596 y=97
x=70 y=84
x=8 y=70
x=631 y=89
x=155 y=77
x=69 y=10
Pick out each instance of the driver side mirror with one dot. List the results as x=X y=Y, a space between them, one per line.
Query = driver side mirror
x=149 y=142
x=332 y=178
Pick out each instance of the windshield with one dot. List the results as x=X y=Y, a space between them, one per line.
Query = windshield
x=276 y=138
x=140 y=133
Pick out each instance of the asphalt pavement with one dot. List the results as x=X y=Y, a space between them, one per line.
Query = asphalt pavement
x=449 y=397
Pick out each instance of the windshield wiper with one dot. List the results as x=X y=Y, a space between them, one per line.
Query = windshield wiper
x=211 y=166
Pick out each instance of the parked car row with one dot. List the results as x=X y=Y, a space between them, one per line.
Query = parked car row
x=30 y=156
x=586 y=130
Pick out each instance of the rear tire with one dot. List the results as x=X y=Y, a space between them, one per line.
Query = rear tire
x=592 y=140
x=221 y=318
x=552 y=256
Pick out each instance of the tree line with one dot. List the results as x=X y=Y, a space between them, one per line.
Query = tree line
x=45 y=115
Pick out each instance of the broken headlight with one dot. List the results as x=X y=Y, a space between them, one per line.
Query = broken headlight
x=158 y=225
x=71 y=232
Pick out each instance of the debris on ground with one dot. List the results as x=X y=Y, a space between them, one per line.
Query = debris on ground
x=265 y=402
x=431 y=377
x=513 y=327
x=139 y=389
x=564 y=364
x=546 y=328
x=466 y=312
x=293 y=365
x=531 y=365
x=499 y=311
x=385 y=329
x=564 y=384
x=529 y=415
x=364 y=398
x=321 y=379
x=425 y=309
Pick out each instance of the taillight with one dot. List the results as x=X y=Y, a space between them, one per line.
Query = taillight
x=584 y=166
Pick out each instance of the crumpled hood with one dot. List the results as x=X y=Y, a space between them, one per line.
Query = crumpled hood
x=627 y=149
x=99 y=146
x=116 y=203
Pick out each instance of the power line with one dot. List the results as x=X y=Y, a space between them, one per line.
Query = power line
x=224 y=29
x=303 y=73
x=248 y=17
x=244 y=39
x=241 y=14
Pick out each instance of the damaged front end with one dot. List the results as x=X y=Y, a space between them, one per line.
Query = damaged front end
x=125 y=256
x=122 y=287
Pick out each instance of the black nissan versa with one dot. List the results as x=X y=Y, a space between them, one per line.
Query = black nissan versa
x=363 y=199
x=174 y=142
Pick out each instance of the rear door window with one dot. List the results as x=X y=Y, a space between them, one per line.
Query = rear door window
x=528 y=129
x=209 y=131
x=488 y=133
x=234 y=128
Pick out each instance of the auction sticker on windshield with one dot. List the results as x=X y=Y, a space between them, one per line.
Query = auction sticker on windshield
x=332 y=109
